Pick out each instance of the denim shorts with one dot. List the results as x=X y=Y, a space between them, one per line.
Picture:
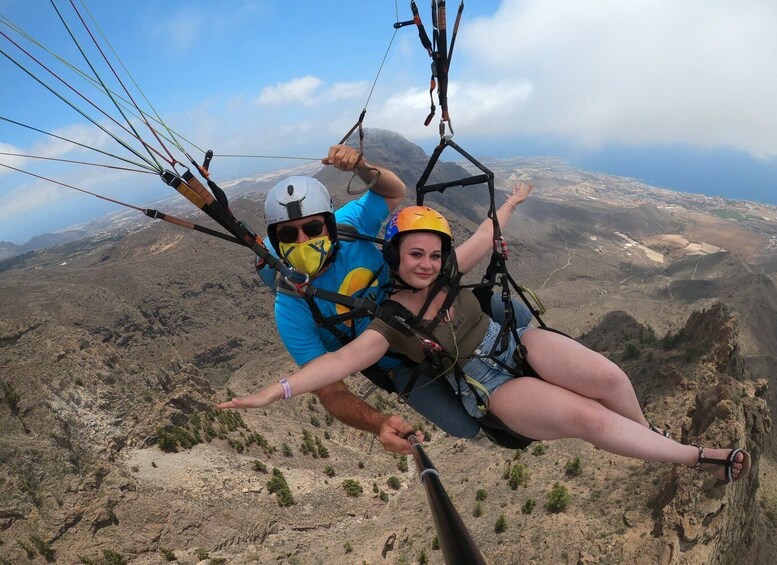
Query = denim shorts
x=485 y=370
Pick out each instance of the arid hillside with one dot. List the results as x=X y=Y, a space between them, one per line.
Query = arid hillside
x=113 y=351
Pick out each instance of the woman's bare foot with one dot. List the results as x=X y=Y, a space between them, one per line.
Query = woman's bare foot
x=724 y=464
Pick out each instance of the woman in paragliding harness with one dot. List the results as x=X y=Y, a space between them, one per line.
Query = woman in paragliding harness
x=581 y=394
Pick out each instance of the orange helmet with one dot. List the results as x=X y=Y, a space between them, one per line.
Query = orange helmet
x=414 y=219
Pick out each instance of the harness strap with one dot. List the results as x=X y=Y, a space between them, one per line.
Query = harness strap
x=358 y=308
x=346 y=232
x=435 y=356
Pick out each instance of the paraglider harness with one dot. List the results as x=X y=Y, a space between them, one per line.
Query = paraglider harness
x=437 y=361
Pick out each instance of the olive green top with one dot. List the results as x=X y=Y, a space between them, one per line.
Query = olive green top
x=459 y=337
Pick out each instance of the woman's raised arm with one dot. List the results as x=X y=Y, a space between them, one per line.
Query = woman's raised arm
x=469 y=253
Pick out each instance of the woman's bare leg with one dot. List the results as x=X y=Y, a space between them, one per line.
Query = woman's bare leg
x=564 y=362
x=544 y=411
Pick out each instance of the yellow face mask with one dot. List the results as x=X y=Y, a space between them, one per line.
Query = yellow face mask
x=307 y=257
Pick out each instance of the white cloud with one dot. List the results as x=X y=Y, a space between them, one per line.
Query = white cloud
x=344 y=91
x=10 y=160
x=84 y=134
x=309 y=91
x=296 y=91
x=645 y=71
x=472 y=107
x=27 y=198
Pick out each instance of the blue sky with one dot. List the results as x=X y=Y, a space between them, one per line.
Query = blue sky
x=680 y=94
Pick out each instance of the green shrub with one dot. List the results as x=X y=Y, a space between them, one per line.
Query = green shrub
x=329 y=471
x=394 y=483
x=501 y=524
x=384 y=496
x=286 y=450
x=436 y=543
x=230 y=420
x=261 y=441
x=169 y=440
x=481 y=494
x=402 y=465
x=352 y=487
x=277 y=485
x=630 y=352
x=166 y=441
x=308 y=446
x=348 y=547
x=201 y=553
x=557 y=498
x=528 y=506
x=573 y=468
x=539 y=449
x=519 y=476
x=236 y=444
x=477 y=512
x=168 y=554
x=423 y=558
x=321 y=449
x=113 y=557
x=259 y=467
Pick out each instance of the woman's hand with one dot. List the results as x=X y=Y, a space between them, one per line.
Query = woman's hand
x=520 y=193
x=260 y=399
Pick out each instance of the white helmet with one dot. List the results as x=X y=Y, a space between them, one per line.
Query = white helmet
x=297 y=197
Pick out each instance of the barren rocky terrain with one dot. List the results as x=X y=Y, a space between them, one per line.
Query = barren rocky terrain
x=114 y=349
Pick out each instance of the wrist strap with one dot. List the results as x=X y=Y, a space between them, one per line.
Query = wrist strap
x=286 y=389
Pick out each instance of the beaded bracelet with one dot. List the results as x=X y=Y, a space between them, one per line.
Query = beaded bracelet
x=286 y=389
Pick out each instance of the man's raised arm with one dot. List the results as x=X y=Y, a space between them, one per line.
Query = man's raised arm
x=388 y=185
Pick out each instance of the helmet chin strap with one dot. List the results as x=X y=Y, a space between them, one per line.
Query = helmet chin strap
x=397 y=284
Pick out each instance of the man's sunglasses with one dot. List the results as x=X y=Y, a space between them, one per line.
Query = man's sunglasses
x=288 y=234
